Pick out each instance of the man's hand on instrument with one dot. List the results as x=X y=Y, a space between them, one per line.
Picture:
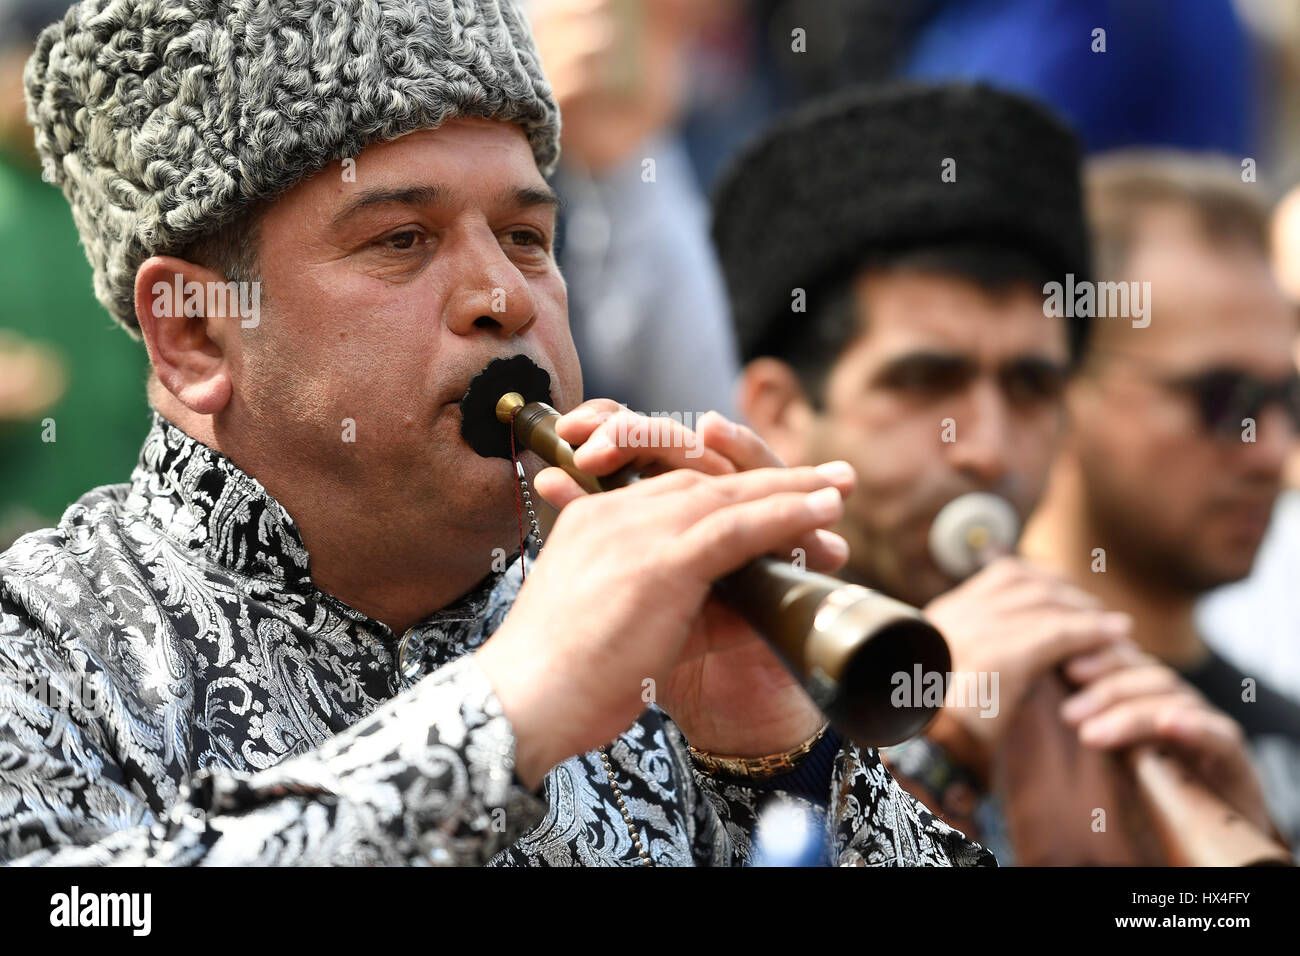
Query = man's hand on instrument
x=617 y=610
x=1016 y=621
x=607 y=437
x=724 y=445
x=1128 y=698
x=729 y=693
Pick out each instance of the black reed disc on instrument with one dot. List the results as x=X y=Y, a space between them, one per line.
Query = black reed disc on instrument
x=478 y=409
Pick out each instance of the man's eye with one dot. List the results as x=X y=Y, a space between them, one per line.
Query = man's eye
x=403 y=240
x=927 y=378
x=526 y=237
x=1033 y=382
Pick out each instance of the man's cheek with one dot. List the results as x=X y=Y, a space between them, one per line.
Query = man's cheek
x=559 y=354
x=883 y=504
x=895 y=456
x=1030 y=471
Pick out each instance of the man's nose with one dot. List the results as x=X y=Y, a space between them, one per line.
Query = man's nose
x=490 y=292
x=982 y=434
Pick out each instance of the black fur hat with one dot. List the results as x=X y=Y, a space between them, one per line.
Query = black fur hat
x=861 y=174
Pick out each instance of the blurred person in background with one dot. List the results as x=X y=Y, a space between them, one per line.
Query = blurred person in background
x=1181 y=426
x=646 y=302
x=1173 y=73
x=72 y=405
x=1255 y=622
x=879 y=302
x=757 y=59
x=1178 y=73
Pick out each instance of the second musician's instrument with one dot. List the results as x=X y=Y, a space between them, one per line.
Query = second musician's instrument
x=847 y=644
x=1192 y=825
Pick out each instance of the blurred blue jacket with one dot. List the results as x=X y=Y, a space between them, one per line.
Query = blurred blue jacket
x=1175 y=73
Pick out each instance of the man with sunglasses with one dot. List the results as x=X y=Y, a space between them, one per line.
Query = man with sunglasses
x=1179 y=435
x=1256 y=620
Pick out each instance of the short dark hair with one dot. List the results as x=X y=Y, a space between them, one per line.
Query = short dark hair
x=232 y=248
x=833 y=320
x=862 y=178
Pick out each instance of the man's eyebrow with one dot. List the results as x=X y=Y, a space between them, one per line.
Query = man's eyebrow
x=406 y=196
x=930 y=357
x=926 y=363
x=922 y=357
x=1036 y=362
x=521 y=197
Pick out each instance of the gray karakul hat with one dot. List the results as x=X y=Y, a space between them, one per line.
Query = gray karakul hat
x=859 y=176
x=163 y=119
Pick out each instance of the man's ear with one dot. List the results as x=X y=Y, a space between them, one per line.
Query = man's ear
x=770 y=397
x=189 y=351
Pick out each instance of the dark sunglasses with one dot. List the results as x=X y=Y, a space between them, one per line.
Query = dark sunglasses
x=1225 y=396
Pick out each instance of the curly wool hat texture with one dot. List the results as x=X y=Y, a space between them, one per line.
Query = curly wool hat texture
x=162 y=119
x=885 y=169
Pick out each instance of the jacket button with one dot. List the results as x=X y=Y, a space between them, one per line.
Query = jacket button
x=410 y=654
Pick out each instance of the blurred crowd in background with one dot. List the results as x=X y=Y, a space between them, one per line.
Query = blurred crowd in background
x=665 y=92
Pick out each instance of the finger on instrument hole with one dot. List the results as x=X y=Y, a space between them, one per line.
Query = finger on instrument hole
x=1086 y=668
x=726 y=538
x=737 y=443
x=577 y=423
x=840 y=474
x=744 y=485
x=1134 y=721
x=557 y=487
x=705 y=493
x=662 y=443
x=1033 y=592
x=1046 y=573
x=1048 y=639
x=817 y=550
x=1123 y=684
x=1210 y=731
x=1009 y=573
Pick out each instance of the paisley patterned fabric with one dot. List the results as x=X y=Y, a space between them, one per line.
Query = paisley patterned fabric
x=174 y=689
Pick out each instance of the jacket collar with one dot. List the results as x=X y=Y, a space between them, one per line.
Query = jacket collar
x=202 y=499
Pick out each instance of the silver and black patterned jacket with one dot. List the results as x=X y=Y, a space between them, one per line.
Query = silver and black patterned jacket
x=174 y=689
